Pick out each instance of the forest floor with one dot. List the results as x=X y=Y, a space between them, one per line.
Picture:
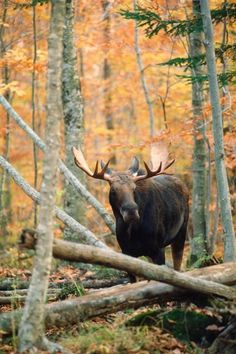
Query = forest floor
x=160 y=329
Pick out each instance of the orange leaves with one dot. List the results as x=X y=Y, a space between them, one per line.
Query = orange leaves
x=14 y=87
x=18 y=59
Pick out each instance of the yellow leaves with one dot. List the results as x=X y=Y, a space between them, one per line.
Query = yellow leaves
x=18 y=59
x=13 y=86
x=4 y=24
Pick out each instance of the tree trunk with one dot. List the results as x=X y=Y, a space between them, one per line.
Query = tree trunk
x=5 y=188
x=225 y=342
x=107 y=74
x=73 y=120
x=221 y=175
x=31 y=331
x=142 y=77
x=198 y=242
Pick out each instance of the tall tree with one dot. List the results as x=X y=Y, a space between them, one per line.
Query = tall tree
x=31 y=332
x=107 y=72
x=5 y=189
x=33 y=99
x=73 y=119
x=142 y=75
x=221 y=175
x=199 y=238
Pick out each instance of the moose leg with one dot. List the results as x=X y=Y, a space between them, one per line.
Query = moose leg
x=177 y=247
x=159 y=256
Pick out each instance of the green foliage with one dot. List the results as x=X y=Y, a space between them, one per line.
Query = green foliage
x=186 y=325
x=106 y=273
x=223 y=78
x=102 y=338
x=228 y=51
x=71 y=289
x=153 y=22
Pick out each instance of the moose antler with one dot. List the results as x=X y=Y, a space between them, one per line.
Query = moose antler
x=150 y=173
x=82 y=164
x=160 y=163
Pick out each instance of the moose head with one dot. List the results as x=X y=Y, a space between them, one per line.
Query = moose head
x=122 y=196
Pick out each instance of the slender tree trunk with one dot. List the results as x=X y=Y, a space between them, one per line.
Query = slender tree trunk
x=107 y=73
x=221 y=176
x=142 y=76
x=198 y=242
x=34 y=123
x=73 y=119
x=5 y=188
x=31 y=332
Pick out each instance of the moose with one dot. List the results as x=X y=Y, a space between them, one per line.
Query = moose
x=150 y=208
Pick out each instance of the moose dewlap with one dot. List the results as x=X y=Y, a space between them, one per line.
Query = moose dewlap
x=150 y=208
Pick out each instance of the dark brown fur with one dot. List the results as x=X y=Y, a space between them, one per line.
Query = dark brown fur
x=156 y=215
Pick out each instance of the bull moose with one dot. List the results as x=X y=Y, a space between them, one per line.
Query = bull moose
x=150 y=208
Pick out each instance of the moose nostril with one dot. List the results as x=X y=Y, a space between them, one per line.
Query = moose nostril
x=129 y=207
x=129 y=212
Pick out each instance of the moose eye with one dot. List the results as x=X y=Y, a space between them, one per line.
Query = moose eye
x=112 y=191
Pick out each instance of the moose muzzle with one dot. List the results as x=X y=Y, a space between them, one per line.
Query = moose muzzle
x=129 y=212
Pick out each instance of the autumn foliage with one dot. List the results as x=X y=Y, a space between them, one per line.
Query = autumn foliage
x=130 y=134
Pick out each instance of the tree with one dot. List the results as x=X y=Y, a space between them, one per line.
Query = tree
x=107 y=73
x=31 y=332
x=199 y=237
x=5 y=189
x=73 y=119
x=221 y=175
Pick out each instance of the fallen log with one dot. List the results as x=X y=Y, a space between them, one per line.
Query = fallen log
x=12 y=285
x=88 y=254
x=4 y=300
x=71 y=312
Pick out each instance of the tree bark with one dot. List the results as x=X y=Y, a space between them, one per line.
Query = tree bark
x=199 y=238
x=221 y=175
x=89 y=254
x=69 y=312
x=225 y=342
x=142 y=76
x=31 y=329
x=67 y=173
x=5 y=187
x=107 y=73
x=73 y=121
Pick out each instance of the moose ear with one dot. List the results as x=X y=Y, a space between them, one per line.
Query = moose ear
x=134 y=167
x=108 y=170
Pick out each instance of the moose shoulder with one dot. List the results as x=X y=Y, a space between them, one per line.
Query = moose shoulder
x=150 y=208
